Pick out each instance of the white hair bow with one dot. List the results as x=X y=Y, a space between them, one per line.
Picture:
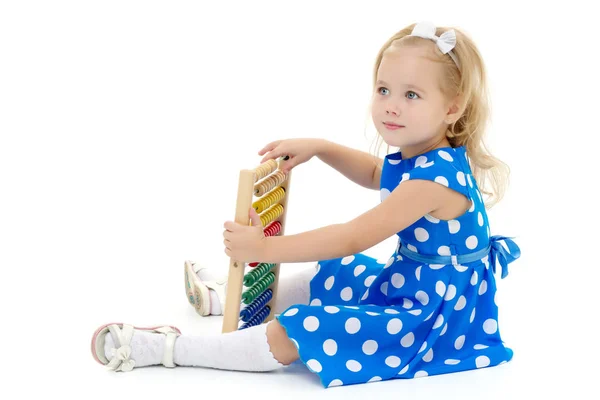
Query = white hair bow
x=445 y=42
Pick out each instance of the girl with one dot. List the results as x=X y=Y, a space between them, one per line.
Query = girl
x=431 y=308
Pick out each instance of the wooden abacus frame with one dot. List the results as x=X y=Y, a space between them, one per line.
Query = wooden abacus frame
x=251 y=184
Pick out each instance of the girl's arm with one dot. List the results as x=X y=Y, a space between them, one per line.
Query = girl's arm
x=405 y=205
x=360 y=167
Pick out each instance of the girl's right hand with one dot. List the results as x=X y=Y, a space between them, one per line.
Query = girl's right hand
x=298 y=150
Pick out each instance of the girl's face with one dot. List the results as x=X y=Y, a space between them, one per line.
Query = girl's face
x=407 y=93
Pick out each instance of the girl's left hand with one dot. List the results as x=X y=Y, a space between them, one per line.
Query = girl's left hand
x=245 y=243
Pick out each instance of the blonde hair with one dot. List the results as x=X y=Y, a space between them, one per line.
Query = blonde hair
x=470 y=84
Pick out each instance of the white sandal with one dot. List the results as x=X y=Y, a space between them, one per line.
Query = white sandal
x=121 y=335
x=198 y=291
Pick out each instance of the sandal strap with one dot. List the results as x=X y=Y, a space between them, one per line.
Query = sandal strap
x=121 y=360
x=171 y=335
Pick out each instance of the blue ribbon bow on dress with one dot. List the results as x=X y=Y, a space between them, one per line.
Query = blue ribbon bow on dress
x=497 y=251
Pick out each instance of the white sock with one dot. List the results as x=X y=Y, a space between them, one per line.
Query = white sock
x=292 y=289
x=243 y=350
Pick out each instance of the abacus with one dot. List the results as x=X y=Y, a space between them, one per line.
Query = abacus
x=252 y=288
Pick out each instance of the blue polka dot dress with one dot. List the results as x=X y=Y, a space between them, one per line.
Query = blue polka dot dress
x=431 y=309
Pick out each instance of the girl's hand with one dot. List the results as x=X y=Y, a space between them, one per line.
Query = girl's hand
x=298 y=150
x=245 y=243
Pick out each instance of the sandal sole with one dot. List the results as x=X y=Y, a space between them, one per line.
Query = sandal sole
x=196 y=292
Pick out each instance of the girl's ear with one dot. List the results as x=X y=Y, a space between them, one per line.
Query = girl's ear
x=455 y=110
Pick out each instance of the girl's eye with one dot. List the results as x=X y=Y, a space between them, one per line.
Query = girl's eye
x=413 y=93
x=380 y=89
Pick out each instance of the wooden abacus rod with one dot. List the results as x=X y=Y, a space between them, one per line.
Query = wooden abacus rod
x=233 y=296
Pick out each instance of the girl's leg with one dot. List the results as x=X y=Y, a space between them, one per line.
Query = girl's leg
x=264 y=347
x=293 y=288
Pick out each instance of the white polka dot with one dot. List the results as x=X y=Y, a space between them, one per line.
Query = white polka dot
x=431 y=219
x=428 y=356
x=471 y=242
x=391 y=311
x=412 y=248
x=483 y=287
x=408 y=340
x=352 y=307
x=384 y=193
x=352 y=325
x=444 y=251
x=490 y=326
x=394 y=326
x=474 y=278
x=460 y=268
x=383 y=288
x=330 y=347
x=459 y=342
x=405 y=177
x=438 y=321
x=461 y=303
x=482 y=361
x=420 y=161
x=397 y=280
x=365 y=295
x=347 y=260
x=418 y=272
x=335 y=382
x=421 y=374
x=314 y=365
x=472 y=316
x=451 y=361
x=440 y=288
x=480 y=218
x=453 y=226
x=359 y=270
x=421 y=234
x=389 y=262
x=369 y=280
x=436 y=266
x=460 y=177
x=393 y=162
x=415 y=312
x=329 y=282
x=450 y=292
x=423 y=347
x=346 y=293
x=403 y=371
x=423 y=297
x=444 y=330
x=315 y=302
x=372 y=313
x=472 y=206
x=353 y=365
x=331 y=309
x=311 y=323
x=469 y=179
x=441 y=180
x=369 y=347
x=429 y=316
x=407 y=303
x=392 y=361
x=480 y=347
x=374 y=379
x=295 y=343
x=290 y=312
x=445 y=155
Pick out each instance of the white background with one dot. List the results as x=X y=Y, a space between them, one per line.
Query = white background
x=124 y=125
